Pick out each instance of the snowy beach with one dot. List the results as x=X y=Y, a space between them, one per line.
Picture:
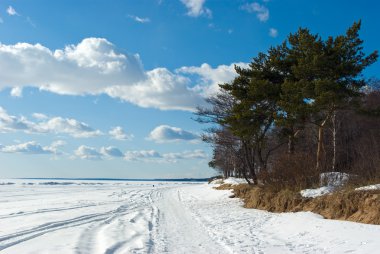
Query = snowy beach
x=56 y=216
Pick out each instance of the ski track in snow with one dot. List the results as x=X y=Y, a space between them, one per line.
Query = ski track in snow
x=115 y=217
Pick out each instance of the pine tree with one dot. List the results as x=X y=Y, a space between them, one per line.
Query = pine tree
x=329 y=72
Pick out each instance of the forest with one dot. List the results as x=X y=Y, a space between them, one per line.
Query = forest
x=302 y=108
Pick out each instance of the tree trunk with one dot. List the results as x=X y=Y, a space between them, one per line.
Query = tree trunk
x=334 y=132
x=246 y=177
x=249 y=163
x=291 y=144
x=320 y=142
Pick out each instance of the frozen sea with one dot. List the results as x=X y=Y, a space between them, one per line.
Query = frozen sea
x=98 y=216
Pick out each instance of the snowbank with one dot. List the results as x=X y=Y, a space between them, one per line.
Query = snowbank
x=334 y=178
x=369 y=187
x=230 y=180
x=217 y=181
x=329 y=182
x=234 y=180
x=313 y=193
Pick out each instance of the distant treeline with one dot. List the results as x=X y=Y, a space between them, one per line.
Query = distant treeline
x=299 y=109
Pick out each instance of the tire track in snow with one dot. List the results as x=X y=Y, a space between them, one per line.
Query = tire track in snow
x=7 y=241
x=25 y=235
x=178 y=231
x=127 y=230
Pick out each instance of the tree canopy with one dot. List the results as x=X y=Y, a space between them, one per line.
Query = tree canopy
x=305 y=80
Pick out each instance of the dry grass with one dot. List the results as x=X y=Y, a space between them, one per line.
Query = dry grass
x=225 y=186
x=357 y=206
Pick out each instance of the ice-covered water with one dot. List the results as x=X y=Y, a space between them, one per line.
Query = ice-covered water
x=73 y=216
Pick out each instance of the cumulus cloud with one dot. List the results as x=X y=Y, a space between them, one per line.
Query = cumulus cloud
x=209 y=78
x=196 y=154
x=95 y=66
x=141 y=155
x=16 y=91
x=262 y=12
x=55 y=147
x=58 y=143
x=166 y=133
x=68 y=126
x=139 y=19
x=88 y=153
x=57 y=125
x=152 y=155
x=11 y=11
x=162 y=89
x=91 y=153
x=273 y=32
x=9 y=123
x=111 y=151
x=31 y=147
x=39 y=116
x=119 y=134
x=195 y=8
x=86 y=68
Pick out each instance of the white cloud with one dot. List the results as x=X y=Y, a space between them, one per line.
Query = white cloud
x=9 y=123
x=94 y=66
x=31 y=147
x=11 y=11
x=58 y=143
x=196 y=154
x=88 y=153
x=162 y=89
x=111 y=151
x=209 y=78
x=40 y=116
x=86 y=68
x=139 y=19
x=57 y=125
x=16 y=91
x=55 y=146
x=91 y=153
x=195 y=8
x=68 y=126
x=165 y=133
x=262 y=12
x=154 y=156
x=119 y=134
x=141 y=155
x=273 y=32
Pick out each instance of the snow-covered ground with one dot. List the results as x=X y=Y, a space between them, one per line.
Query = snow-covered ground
x=329 y=182
x=230 y=180
x=134 y=217
x=369 y=187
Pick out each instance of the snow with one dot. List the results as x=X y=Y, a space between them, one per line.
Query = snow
x=217 y=181
x=369 y=187
x=334 y=178
x=172 y=217
x=230 y=180
x=313 y=193
x=330 y=181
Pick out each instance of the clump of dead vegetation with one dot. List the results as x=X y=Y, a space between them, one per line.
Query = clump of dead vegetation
x=346 y=204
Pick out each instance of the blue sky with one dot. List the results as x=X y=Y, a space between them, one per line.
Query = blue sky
x=107 y=88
